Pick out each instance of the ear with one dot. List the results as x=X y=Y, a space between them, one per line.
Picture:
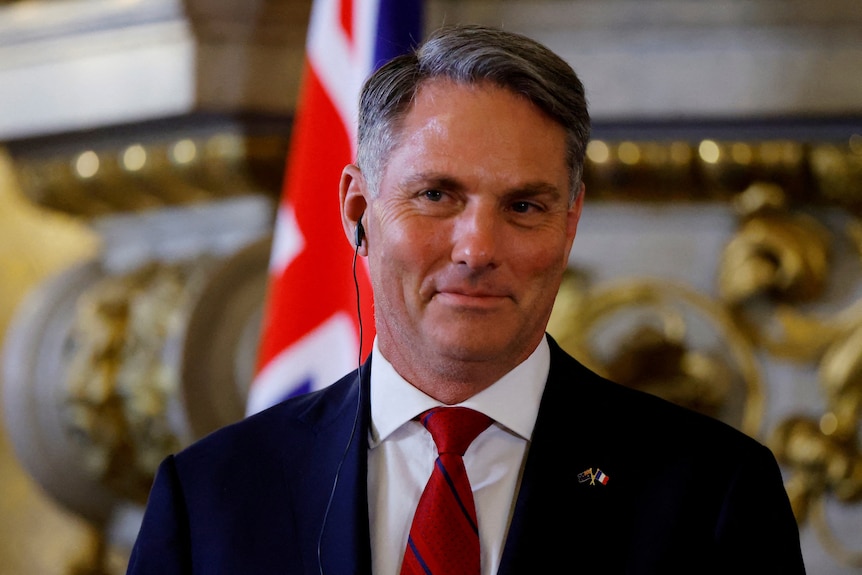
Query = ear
x=352 y=194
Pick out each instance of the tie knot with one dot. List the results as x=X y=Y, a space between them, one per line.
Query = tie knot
x=454 y=428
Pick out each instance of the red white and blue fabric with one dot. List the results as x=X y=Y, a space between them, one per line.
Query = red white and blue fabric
x=444 y=534
x=310 y=328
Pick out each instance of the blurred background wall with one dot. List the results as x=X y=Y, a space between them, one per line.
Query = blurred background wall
x=142 y=145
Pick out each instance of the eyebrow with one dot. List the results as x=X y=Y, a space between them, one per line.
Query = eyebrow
x=437 y=180
x=536 y=189
x=432 y=179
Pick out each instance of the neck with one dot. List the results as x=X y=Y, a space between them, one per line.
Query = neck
x=448 y=380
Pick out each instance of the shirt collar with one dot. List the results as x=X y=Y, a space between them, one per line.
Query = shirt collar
x=512 y=401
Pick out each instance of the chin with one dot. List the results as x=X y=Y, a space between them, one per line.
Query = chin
x=471 y=349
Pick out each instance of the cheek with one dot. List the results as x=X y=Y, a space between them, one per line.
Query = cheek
x=400 y=257
x=544 y=267
x=399 y=248
x=540 y=250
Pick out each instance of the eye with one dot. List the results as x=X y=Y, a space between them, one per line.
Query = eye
x=524 y=207
x=433 y=195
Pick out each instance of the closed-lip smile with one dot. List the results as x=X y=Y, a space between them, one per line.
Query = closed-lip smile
x=467 y=297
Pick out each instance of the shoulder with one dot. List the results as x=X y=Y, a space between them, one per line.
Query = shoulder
x=640 y=419
x=274 y=432
x=666 y=466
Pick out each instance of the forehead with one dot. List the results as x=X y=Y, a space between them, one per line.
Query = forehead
x=444 y=97
x=479 y=129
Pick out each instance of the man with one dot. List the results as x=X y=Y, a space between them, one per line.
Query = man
x=465 y=198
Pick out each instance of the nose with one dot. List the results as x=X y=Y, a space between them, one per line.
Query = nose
x=477 y=236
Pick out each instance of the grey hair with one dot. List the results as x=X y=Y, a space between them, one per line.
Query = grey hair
x=471 y=54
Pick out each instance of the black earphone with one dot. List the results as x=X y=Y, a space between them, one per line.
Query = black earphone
x=360 y=232
x=360 y=235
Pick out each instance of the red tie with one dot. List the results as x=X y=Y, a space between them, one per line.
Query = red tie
x=444 y=537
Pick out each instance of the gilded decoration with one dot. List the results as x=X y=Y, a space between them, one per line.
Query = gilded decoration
x=666 y=339
x=122 y=379
x=791 y=253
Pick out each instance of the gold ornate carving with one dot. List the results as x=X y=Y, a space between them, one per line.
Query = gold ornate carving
x=666 y=339
x=156 y=172
x=122 y=373
x=824 y=455
x=778 y=260
x=775 y=252
x=838 y=169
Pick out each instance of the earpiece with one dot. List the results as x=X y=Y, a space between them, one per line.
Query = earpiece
x=360 y=232
x=360 y=235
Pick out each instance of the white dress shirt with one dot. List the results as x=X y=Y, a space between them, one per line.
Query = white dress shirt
x=402 y=453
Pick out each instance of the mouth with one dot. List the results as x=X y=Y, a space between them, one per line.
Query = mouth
x=472 y=299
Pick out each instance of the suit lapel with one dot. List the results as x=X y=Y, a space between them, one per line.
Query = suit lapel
x=555 y=514
x=331 y=492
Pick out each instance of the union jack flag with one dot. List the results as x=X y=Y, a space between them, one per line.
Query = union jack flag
x=310 y=332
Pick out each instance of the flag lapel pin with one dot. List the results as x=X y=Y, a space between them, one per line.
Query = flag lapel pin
x=592 y=477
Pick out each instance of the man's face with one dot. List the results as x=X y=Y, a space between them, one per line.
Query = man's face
x=471 y=230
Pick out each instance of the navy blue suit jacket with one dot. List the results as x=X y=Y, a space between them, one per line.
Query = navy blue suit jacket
x=284 y=491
